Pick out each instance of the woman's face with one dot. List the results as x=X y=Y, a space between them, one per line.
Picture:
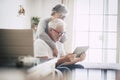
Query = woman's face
x=59 y=16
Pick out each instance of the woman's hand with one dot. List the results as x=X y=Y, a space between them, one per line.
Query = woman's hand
x=55 y=52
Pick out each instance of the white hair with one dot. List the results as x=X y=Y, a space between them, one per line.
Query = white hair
x=61 y=9
x=56 y=22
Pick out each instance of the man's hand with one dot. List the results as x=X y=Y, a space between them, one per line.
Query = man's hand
x=74 y=60
x=64 y=59
x=82 y=57
x=69 y=57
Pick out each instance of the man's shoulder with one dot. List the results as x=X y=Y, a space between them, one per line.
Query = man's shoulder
x=39 y=41
x=42 y=49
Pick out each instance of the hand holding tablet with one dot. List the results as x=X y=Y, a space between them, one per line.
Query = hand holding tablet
x=79 y=50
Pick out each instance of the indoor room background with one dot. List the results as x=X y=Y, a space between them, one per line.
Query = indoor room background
x=93 y=23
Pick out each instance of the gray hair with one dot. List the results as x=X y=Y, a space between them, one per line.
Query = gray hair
x=60 y=8
x=56 y=22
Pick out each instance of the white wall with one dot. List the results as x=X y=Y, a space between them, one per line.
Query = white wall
x=69 y=27
x=36 y=8
x=9 y=17
x=42 y=8
x=48 y=5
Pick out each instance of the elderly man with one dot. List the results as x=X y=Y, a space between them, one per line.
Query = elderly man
x=56 y=28
x=59 y=11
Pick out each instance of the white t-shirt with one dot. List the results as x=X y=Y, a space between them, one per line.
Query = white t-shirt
x=41 y=49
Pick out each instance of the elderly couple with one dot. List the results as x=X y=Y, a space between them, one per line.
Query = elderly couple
x=49 y=38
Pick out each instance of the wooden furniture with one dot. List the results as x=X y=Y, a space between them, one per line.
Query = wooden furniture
x=15 y=43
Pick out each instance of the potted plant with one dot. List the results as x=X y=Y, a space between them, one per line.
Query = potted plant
x=35 y=20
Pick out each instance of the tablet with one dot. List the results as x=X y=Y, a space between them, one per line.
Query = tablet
x=79 y=50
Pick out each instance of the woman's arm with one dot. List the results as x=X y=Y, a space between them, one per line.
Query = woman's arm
x=41 y=28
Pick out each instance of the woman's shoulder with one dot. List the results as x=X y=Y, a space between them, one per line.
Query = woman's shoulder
x=46 y=19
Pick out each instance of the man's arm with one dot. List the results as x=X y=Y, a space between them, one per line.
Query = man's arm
x=75 y=60
x=70 y=59
x=64 y=59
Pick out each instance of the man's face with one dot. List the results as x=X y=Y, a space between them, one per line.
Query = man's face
x=57 y=33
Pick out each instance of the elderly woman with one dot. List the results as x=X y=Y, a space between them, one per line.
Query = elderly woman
x=59 y=12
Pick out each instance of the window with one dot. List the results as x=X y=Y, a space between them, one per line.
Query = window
x=95 y=25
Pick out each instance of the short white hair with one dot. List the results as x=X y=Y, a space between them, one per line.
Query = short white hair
x=61 y=9
x=56 y=22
